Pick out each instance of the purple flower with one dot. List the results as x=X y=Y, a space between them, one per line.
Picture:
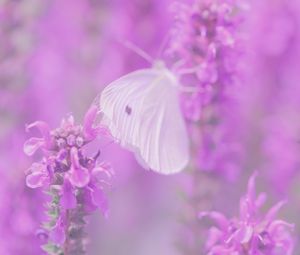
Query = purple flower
x=62 y=148
x=75 y=181
x=251 y=233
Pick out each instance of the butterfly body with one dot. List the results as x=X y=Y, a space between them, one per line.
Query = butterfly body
x=142 y=111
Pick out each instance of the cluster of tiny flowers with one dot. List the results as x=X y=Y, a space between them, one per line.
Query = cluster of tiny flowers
x=75 y=182
x=251 y=233
x=205 y=40
x=208 y=42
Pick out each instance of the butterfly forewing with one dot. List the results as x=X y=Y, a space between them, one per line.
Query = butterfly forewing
x=142 y=111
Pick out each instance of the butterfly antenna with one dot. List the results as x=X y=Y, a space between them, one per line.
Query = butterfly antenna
x=138 y=51
x=163 y=45
x=189 y=70
x=178 y=64
x=190 y=89
x=193 y=89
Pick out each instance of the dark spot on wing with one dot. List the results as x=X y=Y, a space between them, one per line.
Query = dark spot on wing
x=128 y=110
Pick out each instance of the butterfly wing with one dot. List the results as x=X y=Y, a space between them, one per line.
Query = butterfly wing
x=142 y=111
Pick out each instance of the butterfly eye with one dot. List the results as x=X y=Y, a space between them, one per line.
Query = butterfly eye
x=128 y=110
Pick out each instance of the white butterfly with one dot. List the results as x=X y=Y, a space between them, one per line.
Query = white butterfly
x=142 y=111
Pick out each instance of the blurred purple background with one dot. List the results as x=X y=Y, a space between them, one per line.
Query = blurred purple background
x=56 y=57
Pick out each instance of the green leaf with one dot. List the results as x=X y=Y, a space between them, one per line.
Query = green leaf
x=52 y=249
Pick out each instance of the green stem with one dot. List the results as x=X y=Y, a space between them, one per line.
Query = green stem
x=66 y=244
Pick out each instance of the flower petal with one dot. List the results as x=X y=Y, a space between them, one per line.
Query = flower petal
x=214 y=237
x=271 y=214
x=221 y=250
x=244 y=234
x=260 y=200
x=37 y=179
x=68 y=123
x=103 y=172
x=74 y=158
x=79 y=177
x=42 y=235
x=90 y=132
x=67 y=200
x=35 y=167
x=251 y=194
x=32 y=145
x=43 y=127
x=99 y=200
x=218 y=217
x=57 y=234
x=279 y=225
x=85 y=198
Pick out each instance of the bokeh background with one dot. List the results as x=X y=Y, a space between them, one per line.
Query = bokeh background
x=57 y=55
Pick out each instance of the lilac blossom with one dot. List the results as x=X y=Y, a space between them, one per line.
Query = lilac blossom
x=75 y=181
x=252 y=232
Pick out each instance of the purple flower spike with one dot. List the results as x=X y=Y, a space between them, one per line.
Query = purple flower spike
x=251 y=233
x=206 y=43
x=74 y=181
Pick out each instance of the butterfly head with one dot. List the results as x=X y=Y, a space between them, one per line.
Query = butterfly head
x=159 y=64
